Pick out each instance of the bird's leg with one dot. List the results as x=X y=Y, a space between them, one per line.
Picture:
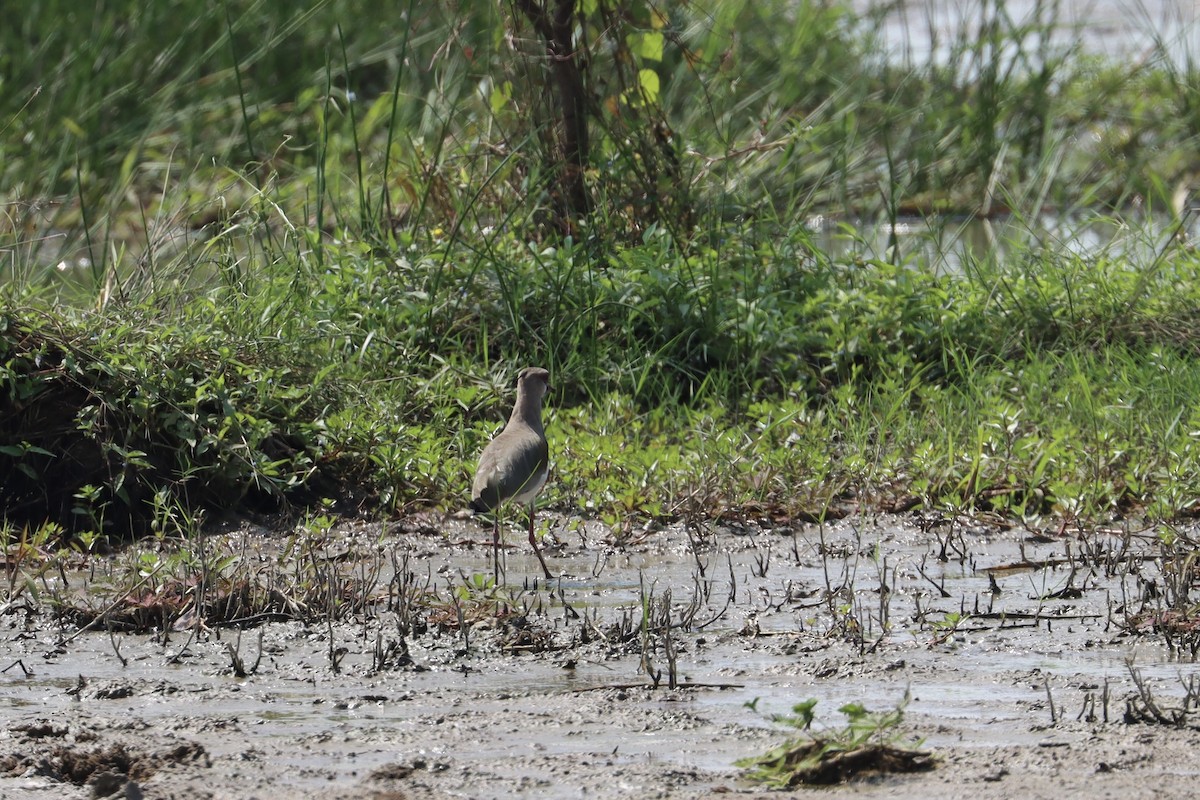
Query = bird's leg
x=496 y=546
x=537 y=550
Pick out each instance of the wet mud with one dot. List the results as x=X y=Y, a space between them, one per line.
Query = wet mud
x=1036 y=664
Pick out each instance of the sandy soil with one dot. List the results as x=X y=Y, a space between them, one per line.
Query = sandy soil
x=1014 y=648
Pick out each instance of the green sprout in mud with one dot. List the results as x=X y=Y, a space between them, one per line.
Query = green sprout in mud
x=1167 y=536
x=478 y=598
x=28 y=555
x=317 y=527
x=476 y=587
x=870 y=743
x=945 y=628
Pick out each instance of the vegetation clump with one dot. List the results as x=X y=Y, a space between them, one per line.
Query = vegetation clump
x=868 y=745
x=106 y=420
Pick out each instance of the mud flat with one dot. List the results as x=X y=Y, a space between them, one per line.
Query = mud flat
x=1039 y=664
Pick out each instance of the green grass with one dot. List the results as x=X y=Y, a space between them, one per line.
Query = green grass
x=301 y=258
x=1050 y=397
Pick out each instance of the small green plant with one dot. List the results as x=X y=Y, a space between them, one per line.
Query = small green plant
x=870 y=743
x=945 y=628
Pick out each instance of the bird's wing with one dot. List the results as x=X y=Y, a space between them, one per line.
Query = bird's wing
x=507 y=467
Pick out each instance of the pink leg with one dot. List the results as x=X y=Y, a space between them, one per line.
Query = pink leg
x=537 y=550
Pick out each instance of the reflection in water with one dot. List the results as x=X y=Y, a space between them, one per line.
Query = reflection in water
x=913 y=31
x=952 y=245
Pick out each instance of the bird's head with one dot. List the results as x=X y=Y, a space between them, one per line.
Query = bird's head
x=534 y=382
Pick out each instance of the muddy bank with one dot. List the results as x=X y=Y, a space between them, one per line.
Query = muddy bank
x=1015 y=648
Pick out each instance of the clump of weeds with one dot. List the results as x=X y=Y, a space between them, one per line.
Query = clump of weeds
x=1168 y=606
x=869 y=744
x=171 y=583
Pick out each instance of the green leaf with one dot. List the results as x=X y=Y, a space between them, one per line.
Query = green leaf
x=24 y=449
x=854 y=711
x=804 y=713
x=648 y=80
x=651 y=46
x=499 y=98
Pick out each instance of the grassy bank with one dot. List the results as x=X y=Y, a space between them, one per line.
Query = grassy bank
x=301 y=256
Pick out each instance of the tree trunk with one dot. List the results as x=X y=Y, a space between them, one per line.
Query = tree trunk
x=555 y=31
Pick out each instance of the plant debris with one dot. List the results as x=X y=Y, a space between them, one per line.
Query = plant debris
x=824 y=762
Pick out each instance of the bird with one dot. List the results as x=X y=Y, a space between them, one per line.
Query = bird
x=515 y=465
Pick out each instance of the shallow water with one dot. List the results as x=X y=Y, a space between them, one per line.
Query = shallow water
x=916 y=29
x=953 y=246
